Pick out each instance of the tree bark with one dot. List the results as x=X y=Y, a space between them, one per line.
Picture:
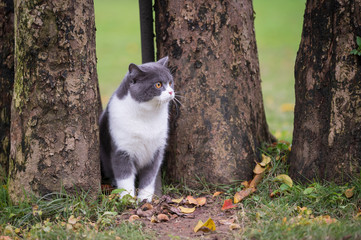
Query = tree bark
x=6 y=79
x=218 y=131
x=55 y=108
x=327 y=127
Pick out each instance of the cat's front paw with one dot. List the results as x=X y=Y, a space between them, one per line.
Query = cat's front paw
x=148 y=196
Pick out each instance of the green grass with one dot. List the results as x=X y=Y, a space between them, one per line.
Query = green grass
x=297 y=212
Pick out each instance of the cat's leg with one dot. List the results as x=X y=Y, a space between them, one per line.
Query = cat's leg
x=124 y=172
x=147 y=177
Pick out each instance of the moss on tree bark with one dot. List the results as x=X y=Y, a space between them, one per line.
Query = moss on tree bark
x=54 y=129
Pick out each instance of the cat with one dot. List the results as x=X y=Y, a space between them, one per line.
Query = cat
x=134 y=128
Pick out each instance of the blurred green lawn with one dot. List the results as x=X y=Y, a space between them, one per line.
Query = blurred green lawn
x=278 y=32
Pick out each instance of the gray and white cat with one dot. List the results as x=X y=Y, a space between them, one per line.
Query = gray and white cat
x=134 y=128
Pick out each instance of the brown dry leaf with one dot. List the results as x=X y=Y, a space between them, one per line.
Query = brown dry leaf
x=239 y=196
x=72 y=220
x=201 y=201
x=186 y=210
x=245 y=184
x=228 y=204
x=258 y=169
x=162 y=217
x=191 y=200
x=146 y=206
x=217 y=194
x=226 y=221
x=234 y=226
x=349 y=192
x=154 y=219
x=142 y=213
x=208 y=226
x=256 y=180
x=177 y=200
x=133 y=218
x=284 y=178
x=265 y=160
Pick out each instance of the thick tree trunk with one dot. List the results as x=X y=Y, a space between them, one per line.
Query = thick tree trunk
x=218 y=131
x=54 y=129
x=327 y=128
x=6 y=79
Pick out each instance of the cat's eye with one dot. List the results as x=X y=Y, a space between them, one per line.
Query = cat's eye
x=158 y=85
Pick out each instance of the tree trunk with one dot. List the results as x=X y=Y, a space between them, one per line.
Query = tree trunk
x=6 y=79
x=55 y=108
x=327 y=127
x=218 y=131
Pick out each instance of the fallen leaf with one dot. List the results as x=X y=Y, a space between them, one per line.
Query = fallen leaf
x=349 y=192
x=245 y=184
x=133 y=218
x=154 y=219
x=258 y=169
x=284 y=179
x=228 y=204
x=177 y=200
x=265 y=160
x=208 y=226
x=72 y=220
x=234 y=226
x=226 y=221
x=191 y=200
x=201 y=201
x=239 y=196
x=142 y=213
x=217 y=194
x=146 y=207
x=256 y=180
x=162 y=217
x=186 y=210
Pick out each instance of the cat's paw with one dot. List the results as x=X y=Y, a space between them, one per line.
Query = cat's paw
x=148 y=196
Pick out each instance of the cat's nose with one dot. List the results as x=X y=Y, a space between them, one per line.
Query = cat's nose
x=170 y=93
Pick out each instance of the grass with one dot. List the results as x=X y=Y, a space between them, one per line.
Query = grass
x=303 y=211
x=297 y=212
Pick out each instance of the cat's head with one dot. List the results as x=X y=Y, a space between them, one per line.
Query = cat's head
x=151 y=82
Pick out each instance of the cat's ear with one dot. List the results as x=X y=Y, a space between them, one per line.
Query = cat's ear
x=163 y=61
x=134 y=71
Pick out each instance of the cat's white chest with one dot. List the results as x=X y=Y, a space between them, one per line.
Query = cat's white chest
x=138 y=128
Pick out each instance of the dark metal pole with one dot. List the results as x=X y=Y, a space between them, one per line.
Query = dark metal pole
x=146 y=30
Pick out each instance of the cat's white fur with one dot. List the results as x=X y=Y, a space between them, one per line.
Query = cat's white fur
x=140 y=129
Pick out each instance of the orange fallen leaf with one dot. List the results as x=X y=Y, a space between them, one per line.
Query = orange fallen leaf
x=133 y=218
x=196 y=201
x=228 y=204
x=191 y=200
x=256 y=180
x=239 y=196
x=146 y=206
x=154 y=219
x=162 y=217
x=186 y=210
x=217 y=194
x=349 y=192
x=208 y=226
